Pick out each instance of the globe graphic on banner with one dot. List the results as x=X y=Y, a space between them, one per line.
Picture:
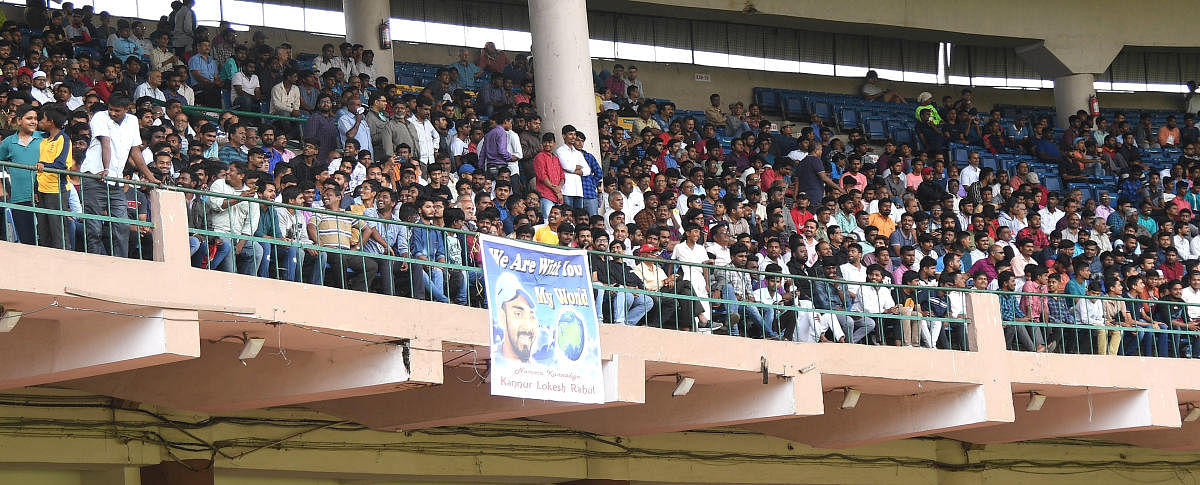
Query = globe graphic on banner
x=570 y=335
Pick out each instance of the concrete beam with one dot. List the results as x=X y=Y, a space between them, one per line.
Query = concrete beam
x=456 y=402
x=879 y=418
x=1061 y=57
x=1184 y=438
x=706 y=406
x=47 y=351
x=219 y=382
x=1082 y=415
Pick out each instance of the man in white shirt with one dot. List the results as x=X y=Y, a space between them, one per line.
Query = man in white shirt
x=236 y=218
x=853 y=270
x=40 y=91
x=115 y=137
x=574 y=166
x=428 y=138
x=1051 y=213
x=326 y=60
x=1191 y=294
x=247 y=91
x=970 y=173
x=151 y=87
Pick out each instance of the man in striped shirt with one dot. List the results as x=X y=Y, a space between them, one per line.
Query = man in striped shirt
x=339 y=232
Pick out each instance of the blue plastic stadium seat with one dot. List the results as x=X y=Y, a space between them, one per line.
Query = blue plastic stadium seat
x=822 y=109
x=767 y=99
x=875 y=128
x=903 y=135
x=988 y=160
x=1052 y=183
x=795 y=107
x=847 y=118
x=959 y=155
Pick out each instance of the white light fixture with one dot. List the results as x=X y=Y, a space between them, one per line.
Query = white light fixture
x=251 y=348
x=1193 y=413
x=8 y=319
x=1036 y=401
x=683 y=385
x=851 y=398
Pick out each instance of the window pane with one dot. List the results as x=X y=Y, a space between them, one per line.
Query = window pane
x=711 y=58
x=152 y=10
x=281 y=16
x=407 y=30
x=669 y=54
x=324 y=21
x=242 y=11
x=890 y=74
x=849 y=71
x=439 y=33
x=602 y=48
x=122 y=8
x=515 y=40
x=478 y=36
x=206 y=10
x=635 y=52
x=779 y=65
x=816 y=68
x=747 y=62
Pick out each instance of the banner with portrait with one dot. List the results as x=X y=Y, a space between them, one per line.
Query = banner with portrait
x=545 y=334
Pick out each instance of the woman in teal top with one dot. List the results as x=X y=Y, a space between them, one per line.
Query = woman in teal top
x=22 y=147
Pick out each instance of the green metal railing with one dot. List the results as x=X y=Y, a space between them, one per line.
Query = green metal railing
x=351 y=267
x=50 y=222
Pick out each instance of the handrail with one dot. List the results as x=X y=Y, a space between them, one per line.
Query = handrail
x=590 y=252
x=252 y=114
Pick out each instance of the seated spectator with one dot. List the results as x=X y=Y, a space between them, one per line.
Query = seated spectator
x=871 y=90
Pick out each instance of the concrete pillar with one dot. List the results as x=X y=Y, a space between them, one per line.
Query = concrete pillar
x=362 y=27
x=564 y=68
x=1071 y=93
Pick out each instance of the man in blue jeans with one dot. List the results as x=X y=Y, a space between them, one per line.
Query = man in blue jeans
x=737 y=285
x=428 y=245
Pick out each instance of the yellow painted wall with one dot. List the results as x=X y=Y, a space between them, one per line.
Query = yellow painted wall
x=66 y=441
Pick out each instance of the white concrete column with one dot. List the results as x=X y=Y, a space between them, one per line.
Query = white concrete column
x=1071 y=94
x=564 y=68
x=362 y=27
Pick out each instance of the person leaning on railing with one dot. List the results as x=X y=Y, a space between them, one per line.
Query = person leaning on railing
x=1016 y=335
x=336 y=231
x=22 y=147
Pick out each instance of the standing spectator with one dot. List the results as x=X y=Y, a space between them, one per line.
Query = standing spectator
x=491 y=59
x=115 y=140
x=574 y=167
x=322 y=128
x=549 y=176
x=351 y=123
x=183 y=30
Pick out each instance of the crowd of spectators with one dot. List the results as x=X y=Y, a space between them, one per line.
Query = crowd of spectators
x=816 y=212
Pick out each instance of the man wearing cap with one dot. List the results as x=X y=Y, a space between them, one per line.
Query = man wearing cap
x=925 y=101
x=517 y=316
x=39 y=91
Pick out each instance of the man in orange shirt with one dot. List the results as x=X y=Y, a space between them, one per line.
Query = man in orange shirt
x=882 y=220
x=1168 y=135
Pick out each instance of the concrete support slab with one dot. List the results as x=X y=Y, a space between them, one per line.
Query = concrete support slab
x=271 y=379
x=1082 y=415
x=879 y=418
x=456 y=402
x=45 y=351
x=706 y=406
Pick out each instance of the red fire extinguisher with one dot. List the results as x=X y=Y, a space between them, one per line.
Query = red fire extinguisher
x=1094 y=105
x=385 y=35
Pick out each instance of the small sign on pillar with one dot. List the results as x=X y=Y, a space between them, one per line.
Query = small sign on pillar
x=702 y=77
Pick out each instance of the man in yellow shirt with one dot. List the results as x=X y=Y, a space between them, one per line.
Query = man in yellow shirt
x=548 y=232
x=55 y=152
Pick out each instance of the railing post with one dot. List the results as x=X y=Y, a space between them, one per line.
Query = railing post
x=169 y=215
x=985 y=329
